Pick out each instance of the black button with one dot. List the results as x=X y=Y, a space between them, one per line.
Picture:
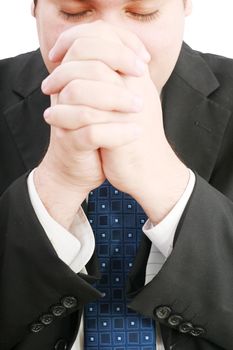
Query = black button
x=69 y=302
x=36 y=327
x=58 y=310
x=61 y=344
x=175 y=320
x=46 y=319
x=196 y=332
x=186 y=327
x=163 y=312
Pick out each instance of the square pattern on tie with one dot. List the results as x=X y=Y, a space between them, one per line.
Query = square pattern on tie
x=109 y=324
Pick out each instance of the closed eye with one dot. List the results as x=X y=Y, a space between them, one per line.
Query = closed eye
x=147 y=17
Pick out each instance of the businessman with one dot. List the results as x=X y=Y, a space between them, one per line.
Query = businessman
x=114 y=102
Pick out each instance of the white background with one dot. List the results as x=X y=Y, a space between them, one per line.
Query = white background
x=209 y=29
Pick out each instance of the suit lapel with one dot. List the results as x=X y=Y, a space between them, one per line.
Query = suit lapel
x=25 y=117
x=194 y=123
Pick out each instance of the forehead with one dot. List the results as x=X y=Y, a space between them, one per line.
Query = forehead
x=108 y=2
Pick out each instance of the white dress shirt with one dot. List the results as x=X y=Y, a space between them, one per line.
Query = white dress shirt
x=75 y=247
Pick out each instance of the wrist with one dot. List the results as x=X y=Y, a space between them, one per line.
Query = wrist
x=163 y=190
x=62 y=200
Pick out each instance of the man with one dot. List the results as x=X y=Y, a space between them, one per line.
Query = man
x=110 y=65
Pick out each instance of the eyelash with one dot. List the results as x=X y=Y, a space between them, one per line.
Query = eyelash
x=145 y=18
x=140 y=17
x=74 y=15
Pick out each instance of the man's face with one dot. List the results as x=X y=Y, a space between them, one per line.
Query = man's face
x=161 y=31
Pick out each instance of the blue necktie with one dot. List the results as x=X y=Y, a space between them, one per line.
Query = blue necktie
x=117 y=221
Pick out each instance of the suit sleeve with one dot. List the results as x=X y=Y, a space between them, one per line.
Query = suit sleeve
x=192 y=294
x=37 y=288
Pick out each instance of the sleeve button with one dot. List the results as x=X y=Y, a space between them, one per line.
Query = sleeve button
x=175 y=320
x=69 y=302
x=186 y=327
x=196 y=332
x=36 y=327
x=61 y=344
x=163 y=312
x=58 y=310
x=46 y=319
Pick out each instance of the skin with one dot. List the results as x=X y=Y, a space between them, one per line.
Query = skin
x=162 y=37
x=119 y=134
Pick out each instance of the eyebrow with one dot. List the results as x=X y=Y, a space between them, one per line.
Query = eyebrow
x=133 y=1
x=136 y=2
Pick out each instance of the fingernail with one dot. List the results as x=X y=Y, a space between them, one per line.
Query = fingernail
x=137 y=103
x=146 y=56
x=51 y=54
x=140 y=66
x=44 y=85
x=47 y=113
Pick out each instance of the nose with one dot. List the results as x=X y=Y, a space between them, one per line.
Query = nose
x=111 y=17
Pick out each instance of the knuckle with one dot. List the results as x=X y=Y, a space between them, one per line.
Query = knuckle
x=70 y=92
x=84 y=114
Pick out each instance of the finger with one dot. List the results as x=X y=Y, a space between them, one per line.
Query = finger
x=107 y=136
x=90 y=70
x=97 y=29
x=66 y=38
x=100 y=95
x=133 y=42
x=117 y=56
x=73 y=117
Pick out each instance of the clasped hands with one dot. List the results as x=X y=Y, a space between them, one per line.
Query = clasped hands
x=106 y=118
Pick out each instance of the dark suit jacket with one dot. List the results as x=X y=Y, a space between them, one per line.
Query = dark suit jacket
x=41 y=299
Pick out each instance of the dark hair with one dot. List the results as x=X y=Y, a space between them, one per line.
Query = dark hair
x=35 y=2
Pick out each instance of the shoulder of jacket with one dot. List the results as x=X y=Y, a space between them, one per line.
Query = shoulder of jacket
x=9 y=67
x=222 y=67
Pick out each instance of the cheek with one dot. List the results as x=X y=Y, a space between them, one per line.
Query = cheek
x=48 y=33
